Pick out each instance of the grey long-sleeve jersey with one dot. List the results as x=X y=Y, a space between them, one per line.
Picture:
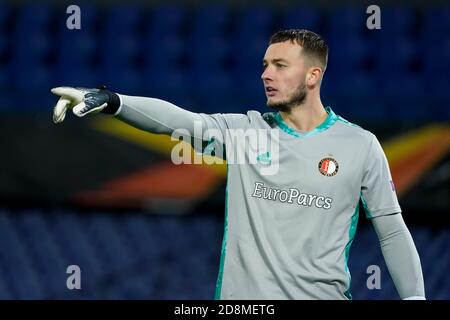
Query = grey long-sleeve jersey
x=292 y=205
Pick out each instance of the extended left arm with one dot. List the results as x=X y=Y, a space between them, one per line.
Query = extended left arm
x=400 y=255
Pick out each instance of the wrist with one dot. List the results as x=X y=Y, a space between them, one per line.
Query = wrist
x=114 y=103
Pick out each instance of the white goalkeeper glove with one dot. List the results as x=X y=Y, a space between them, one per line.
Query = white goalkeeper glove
x=84 y=101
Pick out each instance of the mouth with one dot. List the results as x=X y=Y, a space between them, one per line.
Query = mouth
x=271 y=91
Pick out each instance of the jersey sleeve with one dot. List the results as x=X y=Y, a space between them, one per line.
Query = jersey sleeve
x=401 y=256
x=206 y=132
x=378 y=193
x=214 y=139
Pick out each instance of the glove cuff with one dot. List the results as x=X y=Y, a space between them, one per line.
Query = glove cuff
x=113 y=103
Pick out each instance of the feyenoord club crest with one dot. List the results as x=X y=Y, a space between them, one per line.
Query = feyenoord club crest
x=328 y=167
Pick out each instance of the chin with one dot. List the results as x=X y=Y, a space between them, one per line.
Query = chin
x=278 y=106
x=273 y=102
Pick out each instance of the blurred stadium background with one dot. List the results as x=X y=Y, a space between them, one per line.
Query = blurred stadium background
x=96 y=193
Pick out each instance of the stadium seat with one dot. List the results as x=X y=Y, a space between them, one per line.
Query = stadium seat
x=166 y=82
x=397 y=57
x=214 y=89
x=31 y=78
x=76 y=49
x=80 y=252
x=345 y=21
x=139 y=231
x=35 y=243
x=32 y=49
x=163 y=51
x=108 y=243
x=251 y=21
x=3 y=44
x=127 y=80
x=436 y=21
x=208 y=53
x=166 y=19
x=134 y=289
x=18 y=270
x=83 y=76
x=5 y=78
x=34 y=16
x=210 y=21
x=405 y=96
x=5 y=13
x=122 y=50
x=397 y=21
x=122 y=19
x=435 y=56
x=157 y=50
x=349 y=55
x=302 y=17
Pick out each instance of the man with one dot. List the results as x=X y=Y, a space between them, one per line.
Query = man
x=287 y=235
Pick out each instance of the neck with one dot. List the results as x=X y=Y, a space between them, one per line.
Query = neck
x=307 y=116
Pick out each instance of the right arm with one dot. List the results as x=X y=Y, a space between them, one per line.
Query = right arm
x=148 y=114
x=159 y=116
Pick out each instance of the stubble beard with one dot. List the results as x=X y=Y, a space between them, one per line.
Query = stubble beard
x=298 y=98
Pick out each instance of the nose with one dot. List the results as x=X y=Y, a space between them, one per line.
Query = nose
x=267 y=74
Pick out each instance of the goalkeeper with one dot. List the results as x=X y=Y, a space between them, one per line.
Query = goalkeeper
x=288 y=235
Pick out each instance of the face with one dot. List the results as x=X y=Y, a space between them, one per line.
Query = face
x=284 y=76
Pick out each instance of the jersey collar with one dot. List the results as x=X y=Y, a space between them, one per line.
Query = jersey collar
x=328 y=122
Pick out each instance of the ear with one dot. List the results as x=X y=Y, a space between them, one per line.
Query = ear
x=313 y=76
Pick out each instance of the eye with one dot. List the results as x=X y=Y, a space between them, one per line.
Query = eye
x=280 y=66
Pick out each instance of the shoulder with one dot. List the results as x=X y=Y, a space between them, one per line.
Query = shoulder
x=352 y=130
x=253 y=119
x=250 y=119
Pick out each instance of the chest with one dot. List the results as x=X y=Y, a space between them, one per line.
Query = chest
x=316 y=166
